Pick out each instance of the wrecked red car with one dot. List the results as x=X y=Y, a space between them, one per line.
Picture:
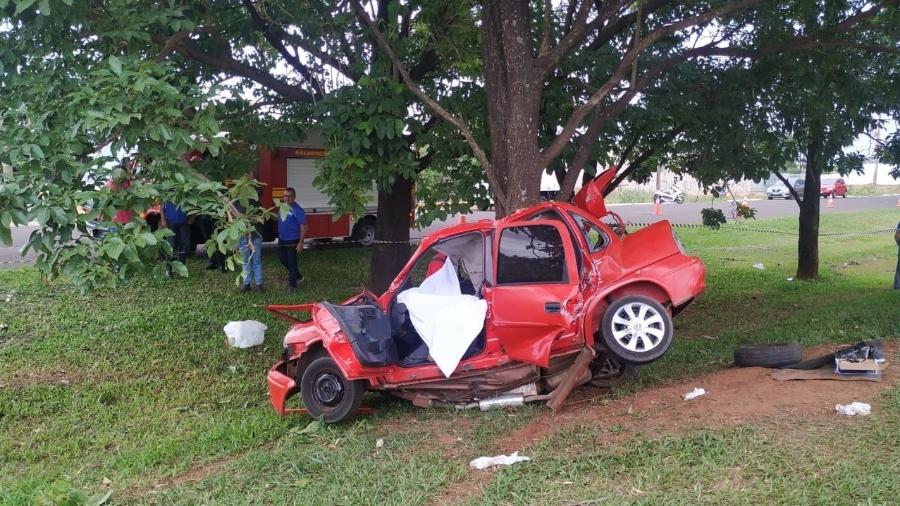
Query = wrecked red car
x=502 y=312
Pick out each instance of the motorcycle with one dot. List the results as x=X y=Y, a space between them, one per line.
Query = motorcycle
x=673 y=194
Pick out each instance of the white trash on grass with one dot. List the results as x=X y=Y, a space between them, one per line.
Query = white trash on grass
x=696 y=392
x=854 y=408
x=499 y=460
x=759 y=266
x=245 y=333
x=379 y=443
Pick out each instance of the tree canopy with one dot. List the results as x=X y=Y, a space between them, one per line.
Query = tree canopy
x=452 y=96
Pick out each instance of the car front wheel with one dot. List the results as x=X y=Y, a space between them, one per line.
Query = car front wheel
x=327 y=394
x=637 y=329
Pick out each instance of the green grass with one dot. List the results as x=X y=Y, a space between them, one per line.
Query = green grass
x=136 y=391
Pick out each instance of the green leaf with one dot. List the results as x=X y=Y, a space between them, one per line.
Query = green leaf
x=22 y=6
x=180 y=269
x=149 y=238
x=114 y=248
x=116 y=65
x=42 y=215
x=5 y=235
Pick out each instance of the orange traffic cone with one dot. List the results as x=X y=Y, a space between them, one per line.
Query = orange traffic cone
x=462 y=218
x=830 y=203
x=657 y=208
x=898 y=202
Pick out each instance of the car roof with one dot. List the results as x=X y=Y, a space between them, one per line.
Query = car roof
x=488 y=224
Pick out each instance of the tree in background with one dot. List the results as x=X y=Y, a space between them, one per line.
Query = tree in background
x=608 y=53
x=157 y=82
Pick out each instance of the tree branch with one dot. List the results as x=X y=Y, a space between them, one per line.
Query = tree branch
x=187 y=49
x=275 y=36
x=580 y=28
x=555 y=148
x=456 y=121
x=545 y=38
x=788 y=185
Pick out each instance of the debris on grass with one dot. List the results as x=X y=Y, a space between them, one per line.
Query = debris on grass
x=379 y=443
x=759 y=266
x=853 y=409
x=696 y=392
x=498 y=460
x=245 y=333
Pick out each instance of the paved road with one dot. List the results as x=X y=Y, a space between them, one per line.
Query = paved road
x=689 y=212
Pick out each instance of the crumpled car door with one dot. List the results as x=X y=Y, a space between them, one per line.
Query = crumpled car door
x=535 y=293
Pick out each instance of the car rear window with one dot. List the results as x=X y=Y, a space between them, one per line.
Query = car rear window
x=531 y=254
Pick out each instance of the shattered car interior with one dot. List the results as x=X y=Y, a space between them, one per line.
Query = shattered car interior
x=496 y=313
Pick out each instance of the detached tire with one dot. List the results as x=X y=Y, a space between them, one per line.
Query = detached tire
x=637 y=330
x=767 y=355
x=327 y=394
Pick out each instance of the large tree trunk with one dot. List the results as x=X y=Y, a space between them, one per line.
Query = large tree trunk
x=394 y=207
x=808 y=242
x=513 y=100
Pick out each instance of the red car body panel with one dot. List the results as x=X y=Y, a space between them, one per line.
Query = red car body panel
x=528 y=323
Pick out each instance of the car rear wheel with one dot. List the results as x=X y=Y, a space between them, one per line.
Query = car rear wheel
x=327 y=394
x=364 y=232
x=637 y=329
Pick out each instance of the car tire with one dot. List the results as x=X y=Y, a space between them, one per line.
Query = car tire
x=364 y=232
x=632 y=314
x=327 y=394
x=770 y=198
x=767 y=355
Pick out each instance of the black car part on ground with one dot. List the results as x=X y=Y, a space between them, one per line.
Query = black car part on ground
x=767 y=355
x=790 y=355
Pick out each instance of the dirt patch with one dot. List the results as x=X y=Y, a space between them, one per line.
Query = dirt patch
x=734 y=396
x=24 y=378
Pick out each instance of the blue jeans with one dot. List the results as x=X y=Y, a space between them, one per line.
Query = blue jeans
x=252 y=258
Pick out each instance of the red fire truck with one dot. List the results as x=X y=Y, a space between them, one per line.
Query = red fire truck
x=295 y=167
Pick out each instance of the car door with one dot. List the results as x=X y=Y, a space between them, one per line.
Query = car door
x=535 y=293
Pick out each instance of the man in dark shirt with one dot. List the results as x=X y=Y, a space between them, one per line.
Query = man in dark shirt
x=291 y=231
x=173 y=218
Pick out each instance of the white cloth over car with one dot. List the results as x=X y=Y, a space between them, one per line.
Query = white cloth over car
x=446 y=319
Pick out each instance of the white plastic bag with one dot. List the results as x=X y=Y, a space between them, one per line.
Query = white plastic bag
x=854 y=408
x=696 y=392
x=499 y=460
x=245 y=333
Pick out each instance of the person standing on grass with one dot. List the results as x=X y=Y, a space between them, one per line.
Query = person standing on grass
x=291 y=231
x=897 y=272
x=173 y=218
x=250 y=246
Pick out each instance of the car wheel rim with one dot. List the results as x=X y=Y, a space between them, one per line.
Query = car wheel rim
x=329 y=389
x=638 y=327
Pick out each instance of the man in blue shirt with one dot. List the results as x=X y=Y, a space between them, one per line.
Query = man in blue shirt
x=173 y=218
x=291 y=231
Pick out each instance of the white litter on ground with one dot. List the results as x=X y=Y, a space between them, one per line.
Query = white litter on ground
x=498 y=460
x=379 y=443
x=696 y=392
x=854 y=408
x=759 y=266
x=245 y=333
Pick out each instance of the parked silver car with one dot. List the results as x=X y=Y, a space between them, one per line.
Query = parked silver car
x=780 y=191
